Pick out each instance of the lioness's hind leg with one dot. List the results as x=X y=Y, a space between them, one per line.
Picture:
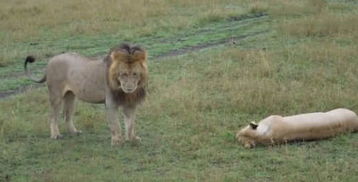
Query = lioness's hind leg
x=68 y=109
x=55 y=103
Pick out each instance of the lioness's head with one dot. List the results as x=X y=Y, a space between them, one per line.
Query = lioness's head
x=246 y=136
x=127 y=68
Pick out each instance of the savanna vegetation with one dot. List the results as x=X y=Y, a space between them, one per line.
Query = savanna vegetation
x=214 y=66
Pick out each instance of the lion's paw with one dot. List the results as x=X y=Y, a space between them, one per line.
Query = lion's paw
x=135 y=140
x=117 y=141
x=57 y=137
x=76 y=132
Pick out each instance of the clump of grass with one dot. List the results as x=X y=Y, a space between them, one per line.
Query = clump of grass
x=327 y=52
x=30 y=18
x=263 y=82
x=324 y=24
x=258 y=7
x=90 y=117
x=4 y=61
x=292 y=8
x=28 y=119
x=7 y=55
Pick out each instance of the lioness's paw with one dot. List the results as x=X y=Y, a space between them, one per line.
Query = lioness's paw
x=117 y=141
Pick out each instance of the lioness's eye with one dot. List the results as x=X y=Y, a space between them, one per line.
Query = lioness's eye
x=135 y=74
x=123 y=74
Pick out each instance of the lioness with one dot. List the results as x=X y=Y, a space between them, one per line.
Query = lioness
x=310 y=126
x=117 y=80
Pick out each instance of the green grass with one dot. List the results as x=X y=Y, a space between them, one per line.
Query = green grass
x=207 y=34
x=187 y=134
x=197 y=101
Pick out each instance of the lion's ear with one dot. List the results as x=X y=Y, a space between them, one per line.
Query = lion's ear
x=119 y=55
x=140 y=55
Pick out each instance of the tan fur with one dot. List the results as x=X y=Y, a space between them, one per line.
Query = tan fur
x=311 y=126
x=118 y=80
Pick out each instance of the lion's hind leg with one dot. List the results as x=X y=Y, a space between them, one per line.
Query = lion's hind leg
x=68 y=109
x=55 y=102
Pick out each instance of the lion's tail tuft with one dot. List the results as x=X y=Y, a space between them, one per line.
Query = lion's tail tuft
x=31 y=59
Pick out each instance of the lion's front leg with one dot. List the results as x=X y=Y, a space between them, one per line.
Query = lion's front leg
x=113 y=121
x=129 y=120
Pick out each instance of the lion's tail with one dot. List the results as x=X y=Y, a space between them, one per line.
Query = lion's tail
x=31 y=59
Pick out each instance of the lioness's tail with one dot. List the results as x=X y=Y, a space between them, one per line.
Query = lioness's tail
x=31 y=59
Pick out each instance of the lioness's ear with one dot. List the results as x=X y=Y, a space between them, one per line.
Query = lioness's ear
x=253 y=125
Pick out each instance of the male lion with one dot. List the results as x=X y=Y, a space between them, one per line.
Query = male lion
x=117 y=80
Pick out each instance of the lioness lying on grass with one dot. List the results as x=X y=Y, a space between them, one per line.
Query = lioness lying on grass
x=277 y=129
x=117 y=80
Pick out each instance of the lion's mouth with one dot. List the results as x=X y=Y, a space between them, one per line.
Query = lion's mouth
x=128 y=91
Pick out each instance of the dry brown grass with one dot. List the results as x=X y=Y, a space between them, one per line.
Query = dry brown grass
x=286 y=8
x=314 y=18
x=330 y=52
x=22 y=20
x=315 y=78
x=324 y=24
x=28 y=18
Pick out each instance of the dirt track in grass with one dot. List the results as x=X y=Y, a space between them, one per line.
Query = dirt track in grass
x=229 y=32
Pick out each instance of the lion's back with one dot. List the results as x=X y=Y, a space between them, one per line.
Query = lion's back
x=76 y=73
x=69 y=59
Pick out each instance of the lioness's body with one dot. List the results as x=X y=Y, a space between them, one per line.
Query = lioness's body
x=84 y=77
x=310 y=126
x=117 y=80
x=313 y=126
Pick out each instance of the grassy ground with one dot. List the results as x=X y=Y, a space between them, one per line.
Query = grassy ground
x=302 y=57
x=207 y=35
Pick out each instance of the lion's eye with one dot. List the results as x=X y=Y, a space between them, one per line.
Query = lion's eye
x=135 y=74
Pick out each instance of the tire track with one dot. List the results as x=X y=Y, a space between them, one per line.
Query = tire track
x=231 y=40
x=214 y=34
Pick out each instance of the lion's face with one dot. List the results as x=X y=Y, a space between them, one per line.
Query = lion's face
x=128 y=70
x=129 y=78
